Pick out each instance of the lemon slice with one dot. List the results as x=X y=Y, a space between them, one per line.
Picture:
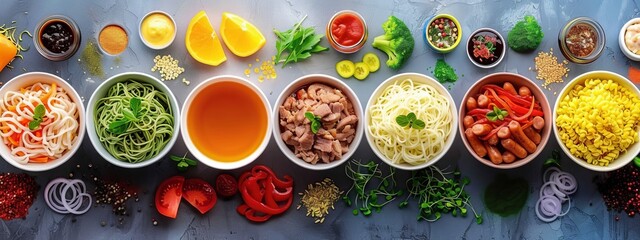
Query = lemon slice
x=202 y=42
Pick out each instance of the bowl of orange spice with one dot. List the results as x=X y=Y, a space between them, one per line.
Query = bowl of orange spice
x=113 y=39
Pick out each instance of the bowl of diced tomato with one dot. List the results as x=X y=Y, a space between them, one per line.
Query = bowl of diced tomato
x=505 y=120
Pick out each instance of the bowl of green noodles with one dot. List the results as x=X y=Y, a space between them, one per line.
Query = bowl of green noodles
x=133 y=119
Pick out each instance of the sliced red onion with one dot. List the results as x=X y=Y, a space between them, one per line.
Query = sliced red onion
x=546 y=208
x=67 y=196
x=566 y=183
x=553 y=193
x=548 y=172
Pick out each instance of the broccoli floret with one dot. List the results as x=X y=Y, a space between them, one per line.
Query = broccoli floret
x=526 y=35
x=444 y=73
x=397 y=42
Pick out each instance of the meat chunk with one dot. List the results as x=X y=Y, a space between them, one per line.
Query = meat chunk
x=322 y=110
x=351 y=119
x=323 y=145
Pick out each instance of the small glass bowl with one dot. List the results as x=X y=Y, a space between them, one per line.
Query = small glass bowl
x=342 y=48
x=429 y=22
x=600 y=42
x=44 y=51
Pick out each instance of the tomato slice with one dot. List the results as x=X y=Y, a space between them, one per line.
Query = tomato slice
x=168 y=196
x=199 y=194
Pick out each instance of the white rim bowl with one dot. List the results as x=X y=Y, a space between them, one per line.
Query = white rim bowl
x=158 y=47
x=417 y=77
x=504 y=50
x=102 y=90
x=331 y=82
x=201 y=156
x=625 y=157
x=623 y=45
x=31 y=78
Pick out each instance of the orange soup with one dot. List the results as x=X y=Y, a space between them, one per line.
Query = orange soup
x=227 y=121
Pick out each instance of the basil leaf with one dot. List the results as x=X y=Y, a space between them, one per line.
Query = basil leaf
x=190 y=162
x=418 y=124
x=182 y=166
x=129 y=115
x=35 y=123
x=411 y=116
x=175 y=158
x=315 y=126
x=39 y=111
x=118 y=126
x=310 y=116
x=134 y=104
x=402 y=120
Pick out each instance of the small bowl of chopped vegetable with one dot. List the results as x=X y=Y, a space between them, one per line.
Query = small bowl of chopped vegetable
x=597 y=120
x=486 y=48
x=581 y=40
x=629 y=39
x=442 y=33
x=504 y=120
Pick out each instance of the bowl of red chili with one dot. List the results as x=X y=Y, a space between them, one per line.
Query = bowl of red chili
x=442 y=33
x=582 y=40
x=505 y=120
x=486 y=48
x=347 y=31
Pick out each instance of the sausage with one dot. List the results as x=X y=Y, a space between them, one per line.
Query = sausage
x=538 y=123
x=513 y=147
x=481 y=129
x=471 y=103
x=508 y=157
x=494 y=154
x=533 y=135
x=483 y=101
x=524 y=91
x=518 y=135
x=509 y=88
x=467 y=121
x=475 y=143
x=504 y=132
x=493 y=140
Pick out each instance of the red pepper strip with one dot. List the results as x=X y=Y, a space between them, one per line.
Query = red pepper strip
x=253 y=188
x=478 y=111
x=242 y=209
x=269 y=191
x=528 y=124
x=522 y=110
x=521 y=100
x=243 y=177
x=251 y=215
x=499 y=100
x=526 y=116
x=259 y=206
x=287 y=182
x=493 y=131
x=481 y=121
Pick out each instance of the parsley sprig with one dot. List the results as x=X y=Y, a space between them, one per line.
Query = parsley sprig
x=299 y=42
x=131 y=114
x=410 y=120
x=38 y=115
x=497 y=114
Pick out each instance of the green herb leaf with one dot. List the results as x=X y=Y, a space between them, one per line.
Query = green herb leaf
x=402 y=120
x=35 y=123
x=182 y=166
x=175 y=158
x=355 y=212
x=496 y=114
x=299 y=42
x=418 y=124
x=129 y=115
x=310 y=116
x=315 y=126
x=134 y=104
x=411 y=116
x=119 y=126
x=38 y=114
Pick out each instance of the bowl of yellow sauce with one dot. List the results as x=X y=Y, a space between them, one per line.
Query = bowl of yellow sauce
x=226 y=123
x=157 y=30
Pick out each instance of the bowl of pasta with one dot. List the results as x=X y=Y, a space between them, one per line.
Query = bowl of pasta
x=597 y=120
x=134 y=119
x=410 y=121
x=42 y=123
x=504 y=120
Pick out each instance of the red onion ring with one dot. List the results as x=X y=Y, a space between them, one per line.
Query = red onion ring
x=553 y=193
x=67 y=196
x=549 y=202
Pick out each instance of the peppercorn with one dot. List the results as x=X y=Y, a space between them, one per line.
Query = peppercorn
x=620 y=190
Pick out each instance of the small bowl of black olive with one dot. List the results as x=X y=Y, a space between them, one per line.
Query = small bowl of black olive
x=57 y=38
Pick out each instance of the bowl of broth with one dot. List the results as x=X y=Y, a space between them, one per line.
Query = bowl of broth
x=225 y=122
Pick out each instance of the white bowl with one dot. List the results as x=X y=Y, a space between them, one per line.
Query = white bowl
x=158 y=47
x=625 y=157
x=421 y=78
x=214 y=163
x=31 y=78
x=102 y=90
x=623 y=46
x=331 y=82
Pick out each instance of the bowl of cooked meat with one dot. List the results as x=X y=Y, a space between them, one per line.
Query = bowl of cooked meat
x=317 y=122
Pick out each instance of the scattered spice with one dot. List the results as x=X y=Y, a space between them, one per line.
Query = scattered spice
x=266 y=70
x=91 y=59
x=506 y=196
x=113 y=39
x=444 y=72
x=17 y=193
x=167 y=66
x=113 y=193
x=549 y=69
x=620 y=190
x=318 y=198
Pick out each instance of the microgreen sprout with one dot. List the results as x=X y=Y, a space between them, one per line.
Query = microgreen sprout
x=368 y=198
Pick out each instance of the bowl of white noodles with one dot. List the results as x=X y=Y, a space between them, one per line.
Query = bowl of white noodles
x=410 y=121
x=42 y=123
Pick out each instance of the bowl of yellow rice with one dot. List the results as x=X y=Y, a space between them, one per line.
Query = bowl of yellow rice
x=597 y=120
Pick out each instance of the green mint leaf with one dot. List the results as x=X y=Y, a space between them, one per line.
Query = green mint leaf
x=411 y=116
x=182 y=166
x=134 y=104
x=118 y=126
x=190 y=162
x=129 y=115
x=35 y=123
x=418 y=124
x=310 y=116
x=175 y=158
x=402 y=120
x=39 y=111
x=315 y=126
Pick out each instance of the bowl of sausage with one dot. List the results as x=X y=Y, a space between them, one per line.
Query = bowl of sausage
x=505 y=120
